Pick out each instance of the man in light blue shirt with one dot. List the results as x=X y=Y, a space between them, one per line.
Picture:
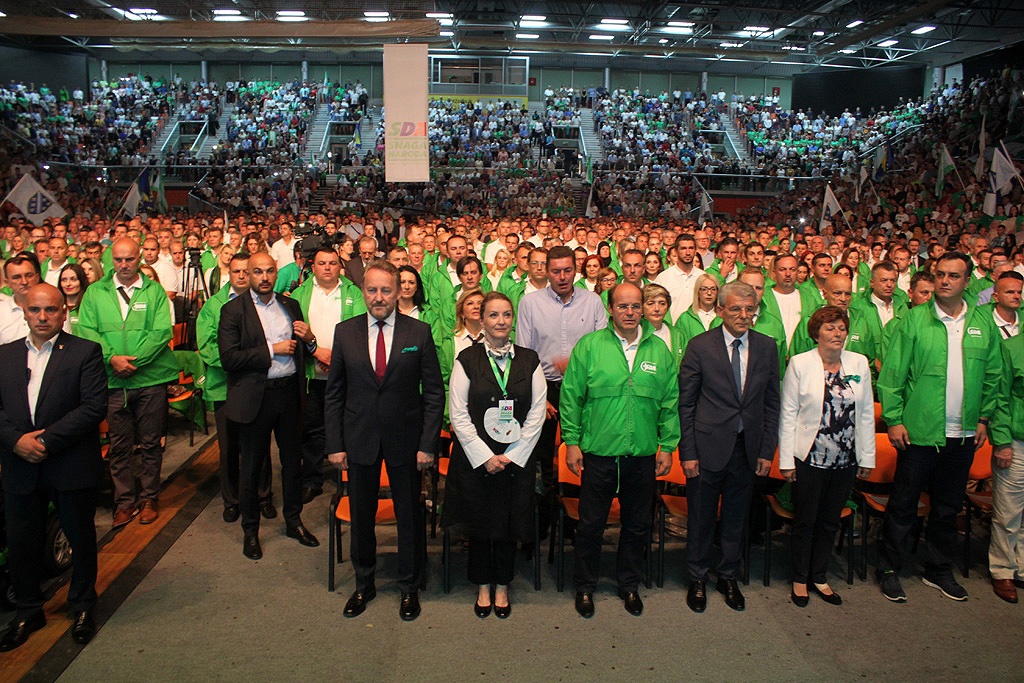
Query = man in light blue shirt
x=551 y=321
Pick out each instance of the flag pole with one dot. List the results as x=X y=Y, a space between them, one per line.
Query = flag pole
x=125 y=197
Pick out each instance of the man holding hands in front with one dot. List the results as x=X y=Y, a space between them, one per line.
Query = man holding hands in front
x=384 y=371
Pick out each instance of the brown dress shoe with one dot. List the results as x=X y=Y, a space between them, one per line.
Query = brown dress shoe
x=149 y=512
x=124 y=515
x=1004 y=588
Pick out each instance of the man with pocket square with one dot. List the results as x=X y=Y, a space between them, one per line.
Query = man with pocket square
x=383 y=406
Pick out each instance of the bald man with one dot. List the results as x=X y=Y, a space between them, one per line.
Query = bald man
x=53 y=395
x=838 y=291
x=263 y=343
x=128 y=316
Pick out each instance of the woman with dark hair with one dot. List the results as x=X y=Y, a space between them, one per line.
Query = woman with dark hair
x=843 y=269
x=826 y=438
x=72 y=284
x=497 y=400
x=254 y=243
x=411 y=299
x=652 y=266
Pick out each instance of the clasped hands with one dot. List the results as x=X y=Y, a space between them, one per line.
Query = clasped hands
x=29 y=448
x=340 y=460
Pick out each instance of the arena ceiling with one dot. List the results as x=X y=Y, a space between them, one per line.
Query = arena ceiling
x=777 y=37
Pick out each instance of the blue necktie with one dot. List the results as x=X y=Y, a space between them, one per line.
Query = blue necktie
x=736 y=375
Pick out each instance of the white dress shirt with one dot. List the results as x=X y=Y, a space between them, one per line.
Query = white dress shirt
x=744 y=353
x=477 y=451
x=324 y=314
x=373 y=330
x=129 y=290
x=38 y=359
x=1007 y=329
x=885 y=310
x=12 y=320
x=954 y=371
x=680 y=285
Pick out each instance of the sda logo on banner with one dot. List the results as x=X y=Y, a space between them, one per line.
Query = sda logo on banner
x=33 y=201
x=406 y=147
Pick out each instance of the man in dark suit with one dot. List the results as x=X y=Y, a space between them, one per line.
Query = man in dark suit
x=729 y=415
x=53 y=396
x=383 y=403
x=262 y=339
x=366 y=248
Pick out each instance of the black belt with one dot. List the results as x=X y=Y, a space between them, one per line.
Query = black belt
x=279 y=383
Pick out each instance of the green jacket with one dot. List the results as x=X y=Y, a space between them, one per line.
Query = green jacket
x=689 y=326
x=608 y=410
x=912 y=383
x=715 y=269
x=867 y=309
x=216 y=388
x=145 y=333
x=287 y=277
x=861 y=338
x=678 y=345
x=1008 y=419
x=771 y=325
x=811 y=298
x=350 y=304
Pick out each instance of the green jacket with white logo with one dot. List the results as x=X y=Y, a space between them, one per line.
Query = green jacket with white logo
x=608 y=410
x=912 y=383
x=145 y=333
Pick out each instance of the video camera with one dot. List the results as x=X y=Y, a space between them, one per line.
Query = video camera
x=312 y=238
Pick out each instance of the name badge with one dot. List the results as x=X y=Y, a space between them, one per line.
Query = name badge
x=506 y=410
x=139 y=306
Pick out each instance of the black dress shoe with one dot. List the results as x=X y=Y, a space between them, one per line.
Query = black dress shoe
x=632 y=602
x=231 y=514
x=831 y=598
x=268 y=510
x=356 y=604
x=697 y=596
x=19 y=632
x=585 y=605
x=311 y=492
x=799 y=600
x=251 y=547
x=481 y=611
x=84 y=627
x=730 y=588
x=409 y=607
x=302 y=535
x=503 y=612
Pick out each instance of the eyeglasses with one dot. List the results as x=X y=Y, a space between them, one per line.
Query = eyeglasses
x=608 y=279
x=628 y=307
x=705 y=290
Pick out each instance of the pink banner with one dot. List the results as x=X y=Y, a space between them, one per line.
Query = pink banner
x=406 y=147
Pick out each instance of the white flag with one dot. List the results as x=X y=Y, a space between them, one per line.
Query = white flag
x=131 y=201
x=979 y=166
x=860 y=184
x=705 y=207
x=829 y=206
x=946 y=165
x=1003 y=171
x=35 y=203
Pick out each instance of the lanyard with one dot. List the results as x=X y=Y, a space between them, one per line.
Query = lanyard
x=502 y=380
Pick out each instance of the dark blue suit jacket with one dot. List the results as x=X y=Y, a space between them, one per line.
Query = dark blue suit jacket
x=72 y=404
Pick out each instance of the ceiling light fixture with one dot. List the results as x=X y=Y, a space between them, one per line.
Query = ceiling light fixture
x=855 y=23
x=601 y=36
x=888 y=43
x=615 y=22
x=921 y=30
x=528 y=36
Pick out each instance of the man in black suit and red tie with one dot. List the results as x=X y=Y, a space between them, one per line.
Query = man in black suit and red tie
x=53 y=396
x=263 y=340
x=383 y=404
x=729 y=416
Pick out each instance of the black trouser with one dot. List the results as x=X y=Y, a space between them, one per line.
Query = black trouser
x=545 y=450
x=280 y=413
x=130 y=412
x=819 y=496
x=943 y=473
x=313 y=439
x=26 y=536
x=364 y=487
x=230 y=468
x=491 y=561
x=632 y=479
x=733 y=483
